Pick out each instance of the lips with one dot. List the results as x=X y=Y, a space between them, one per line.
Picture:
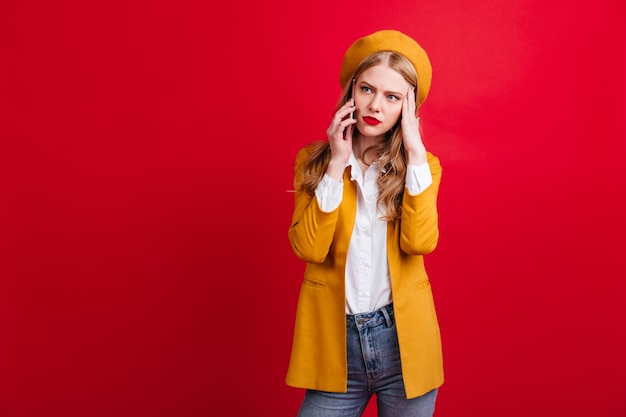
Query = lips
x=371 y=120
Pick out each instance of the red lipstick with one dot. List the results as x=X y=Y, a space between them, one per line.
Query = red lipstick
x=371 y=120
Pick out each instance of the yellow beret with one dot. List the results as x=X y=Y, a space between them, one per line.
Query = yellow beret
x=389 y=40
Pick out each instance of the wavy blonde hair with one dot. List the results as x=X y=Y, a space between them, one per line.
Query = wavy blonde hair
x=390 y=153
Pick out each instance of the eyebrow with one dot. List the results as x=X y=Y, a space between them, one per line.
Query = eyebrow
x=395 y=93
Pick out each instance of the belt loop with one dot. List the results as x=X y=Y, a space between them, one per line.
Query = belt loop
x=387 y=317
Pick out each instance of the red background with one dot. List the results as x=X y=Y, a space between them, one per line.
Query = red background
x=146 y=151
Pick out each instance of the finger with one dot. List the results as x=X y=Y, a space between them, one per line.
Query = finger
x=405 y=104
x=409 y=99
x=337 y=130
x=347 y=108
x=347 y=122
x=408 y=110
x=348 y=135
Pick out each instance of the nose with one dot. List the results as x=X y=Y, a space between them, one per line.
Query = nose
x=374 y=104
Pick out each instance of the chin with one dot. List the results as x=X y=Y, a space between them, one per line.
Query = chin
x=374 y=131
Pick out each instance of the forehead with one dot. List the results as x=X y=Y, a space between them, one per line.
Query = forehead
x=384 y=78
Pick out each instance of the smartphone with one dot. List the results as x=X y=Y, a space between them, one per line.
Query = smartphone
x=350 y=128
x=352 y=95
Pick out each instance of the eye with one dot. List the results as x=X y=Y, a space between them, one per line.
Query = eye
x=366 y=89
x=393 y=98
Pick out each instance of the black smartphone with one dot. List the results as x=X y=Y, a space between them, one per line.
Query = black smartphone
x=349 y=129
x=352 y=95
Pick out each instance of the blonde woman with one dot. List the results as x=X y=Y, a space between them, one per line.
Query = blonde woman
x=365 y=215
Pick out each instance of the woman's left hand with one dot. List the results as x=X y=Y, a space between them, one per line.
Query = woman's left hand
x=415 y=149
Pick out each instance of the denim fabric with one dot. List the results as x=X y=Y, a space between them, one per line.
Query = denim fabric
x=373 y=368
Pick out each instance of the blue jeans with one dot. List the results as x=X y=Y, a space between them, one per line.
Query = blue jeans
x=373 y=368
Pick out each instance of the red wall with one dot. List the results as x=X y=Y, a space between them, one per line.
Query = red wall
x=146 y=150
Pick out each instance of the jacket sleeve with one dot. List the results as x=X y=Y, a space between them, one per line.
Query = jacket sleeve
x=419 y=227
x=312 y=230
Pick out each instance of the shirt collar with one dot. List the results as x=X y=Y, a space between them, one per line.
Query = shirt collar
x=355 y=169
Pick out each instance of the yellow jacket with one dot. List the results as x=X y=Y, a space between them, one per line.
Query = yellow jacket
x=318 y=356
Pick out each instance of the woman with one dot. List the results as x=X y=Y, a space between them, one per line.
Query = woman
x=365 y=214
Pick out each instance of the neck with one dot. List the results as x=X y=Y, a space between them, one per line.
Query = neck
x=364 y=142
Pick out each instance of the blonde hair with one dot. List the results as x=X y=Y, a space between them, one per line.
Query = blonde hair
x=391 y=153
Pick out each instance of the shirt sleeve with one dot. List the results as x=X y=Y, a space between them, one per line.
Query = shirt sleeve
x=418 y=178
x=329 y=193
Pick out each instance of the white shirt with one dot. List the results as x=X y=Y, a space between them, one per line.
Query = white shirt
x=368 y=286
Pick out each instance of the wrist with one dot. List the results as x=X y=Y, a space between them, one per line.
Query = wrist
x=417 y=156
x=335 y=169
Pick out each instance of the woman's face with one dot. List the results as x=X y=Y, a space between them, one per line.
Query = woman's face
x=378 y=98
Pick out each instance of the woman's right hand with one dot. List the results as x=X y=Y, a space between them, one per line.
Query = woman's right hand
x=340 y=139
